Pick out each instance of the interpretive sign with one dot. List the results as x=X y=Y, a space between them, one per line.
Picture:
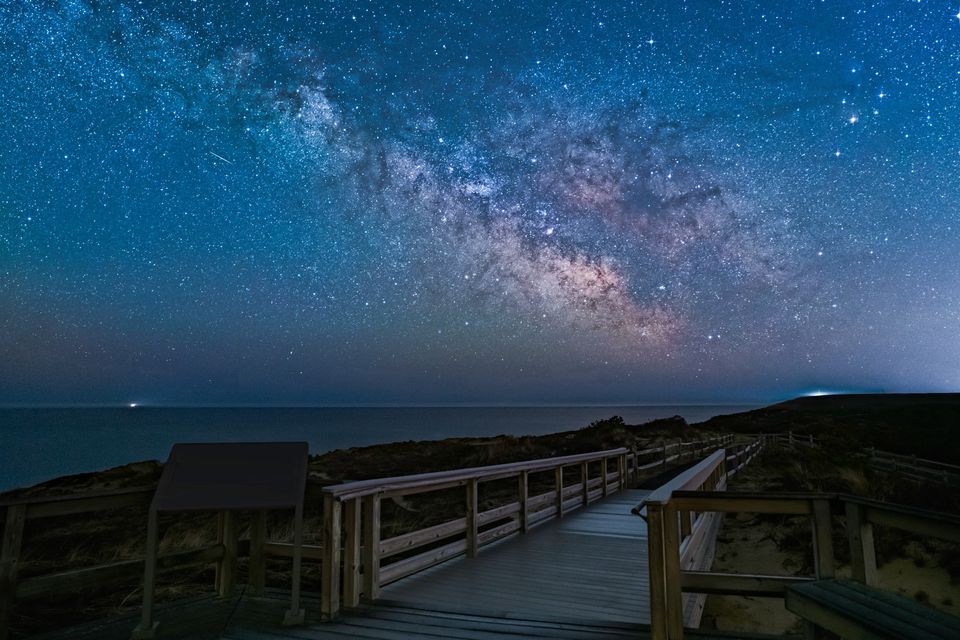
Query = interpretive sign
x=227 y=478
x=233 y=475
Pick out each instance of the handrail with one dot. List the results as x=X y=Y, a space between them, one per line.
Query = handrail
x=694 y=476
x=861 y=515
x=361 y=488
x=65 y=505
x=913 y=459
x=682 y=538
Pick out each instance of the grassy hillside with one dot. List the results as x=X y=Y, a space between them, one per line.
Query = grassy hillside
x=926 y=425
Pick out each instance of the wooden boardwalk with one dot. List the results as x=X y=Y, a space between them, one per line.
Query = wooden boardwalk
x=583 y=576
x=590 y=566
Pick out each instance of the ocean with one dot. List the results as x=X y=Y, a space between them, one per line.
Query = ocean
x=44 y=443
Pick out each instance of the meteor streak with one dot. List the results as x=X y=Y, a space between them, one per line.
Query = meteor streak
x=217 y=155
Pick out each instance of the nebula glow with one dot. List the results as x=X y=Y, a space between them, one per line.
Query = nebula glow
x=418 y=202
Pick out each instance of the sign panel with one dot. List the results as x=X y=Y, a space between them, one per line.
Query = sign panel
x=235 y=475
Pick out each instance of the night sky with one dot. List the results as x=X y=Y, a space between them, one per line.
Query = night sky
x=481 y=202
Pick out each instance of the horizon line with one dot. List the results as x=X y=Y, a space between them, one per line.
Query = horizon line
x=370 y=405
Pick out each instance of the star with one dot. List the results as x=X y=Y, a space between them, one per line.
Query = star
x=236 y=186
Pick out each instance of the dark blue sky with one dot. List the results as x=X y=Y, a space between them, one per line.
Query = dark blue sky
x=477 y=201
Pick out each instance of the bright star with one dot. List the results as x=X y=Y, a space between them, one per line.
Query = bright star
x=853 y=119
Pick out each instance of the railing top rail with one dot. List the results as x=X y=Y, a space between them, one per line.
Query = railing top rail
x=876 y=453
x=686 y=479
x=904 y=509
x=349 y=490
x=74 y=497
x=893 y=507
x=544 y=463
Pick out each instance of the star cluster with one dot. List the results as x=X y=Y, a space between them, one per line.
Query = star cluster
x=477 y=202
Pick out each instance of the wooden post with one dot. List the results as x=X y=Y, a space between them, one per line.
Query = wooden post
x=822 y=540
x=258 y=568
x=147 y=627
x=9 y=558
x=523 y=488
x=330 y=569
x=227 y=566
x=603 y=474
x=655 y=559
x=471 y=514
x=635 y=472
x=685 y=518
x=671 y=571
x=584 y=468
x=371 y=547
x=622 y=472
x=351 y=553
x=296 y=615
x=558 y=481
x=863 y=559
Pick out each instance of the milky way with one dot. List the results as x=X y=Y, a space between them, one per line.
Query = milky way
x=477 y=202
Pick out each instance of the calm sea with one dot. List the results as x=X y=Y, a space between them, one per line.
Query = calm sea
x=39 y=444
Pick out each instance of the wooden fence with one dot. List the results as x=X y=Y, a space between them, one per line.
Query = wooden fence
x=914 y=468
x=786 y=439
x=673 y=577
x=348 y=508
x=906 y=466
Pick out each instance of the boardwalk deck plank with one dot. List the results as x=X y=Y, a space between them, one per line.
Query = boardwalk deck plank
x=588 y=567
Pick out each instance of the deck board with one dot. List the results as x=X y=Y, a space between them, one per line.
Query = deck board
x=385 y=622
x=589 y=567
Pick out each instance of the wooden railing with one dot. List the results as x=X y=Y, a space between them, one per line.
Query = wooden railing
x=352 y=510
x=351 y=515
x=913 y=467
x=860 y=515
x=690 y=532
x=907 y=466
x=223 y=554
x=355 y=507
x=786 y=438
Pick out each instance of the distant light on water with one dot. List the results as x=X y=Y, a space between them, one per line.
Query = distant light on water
x=133 y=405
